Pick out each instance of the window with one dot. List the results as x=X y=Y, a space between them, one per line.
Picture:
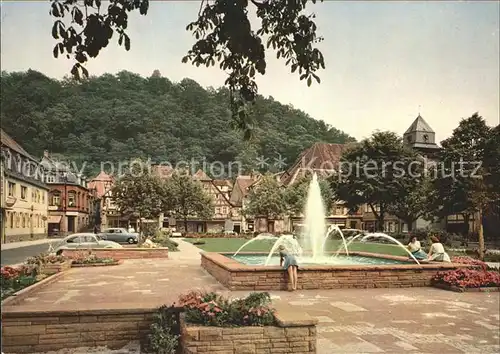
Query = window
x=12 y=189
x=217 y=210
x=18 y=219
x=73 y=239
x=50 y=179
x=43 y=197
x=24 y=192
x=426 y=138
x=23 y=220
x=55 y=199
x=71 y=199
x=224 y=210
x=11 y=220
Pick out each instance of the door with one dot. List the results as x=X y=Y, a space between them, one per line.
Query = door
x=270 y=227
x=71 y=224
x=110 y=234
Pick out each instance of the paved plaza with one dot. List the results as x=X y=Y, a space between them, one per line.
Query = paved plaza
x=413 y=320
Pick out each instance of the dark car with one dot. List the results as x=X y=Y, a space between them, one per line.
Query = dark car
x=120 y=235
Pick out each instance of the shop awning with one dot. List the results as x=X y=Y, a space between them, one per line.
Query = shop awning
x=54 y=219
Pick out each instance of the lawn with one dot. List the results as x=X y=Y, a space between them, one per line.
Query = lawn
x=232 y=245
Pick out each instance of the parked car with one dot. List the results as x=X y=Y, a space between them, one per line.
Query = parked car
x=84 y=241
x=120 y=235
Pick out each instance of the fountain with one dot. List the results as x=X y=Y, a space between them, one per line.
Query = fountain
x=315 y=219
x=263 y=236
x=336 y=228
x=382 y=235
x=290 y=243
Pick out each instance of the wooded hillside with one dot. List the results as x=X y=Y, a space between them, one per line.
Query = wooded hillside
x=123 y=116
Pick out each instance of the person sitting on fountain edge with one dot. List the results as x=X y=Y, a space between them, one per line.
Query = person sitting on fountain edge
x=289 y=263
x=416 y=249
x=437 y=253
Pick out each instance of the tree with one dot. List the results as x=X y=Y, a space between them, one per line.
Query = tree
x=412 y=205
x=266 y=199
x=296 y=195
x=139 y=192
x=223 y=35
x=187 y=198
x=461 y=184
x=378 y=171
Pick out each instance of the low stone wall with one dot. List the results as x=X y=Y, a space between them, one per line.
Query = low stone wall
x=294 y=333
x=237 y=276
x=33 y=332
x=24 y=237
x=121 y=253
x=51 y=268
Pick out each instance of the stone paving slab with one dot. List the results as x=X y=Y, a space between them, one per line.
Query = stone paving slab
x=414 y=320
x=137 y=283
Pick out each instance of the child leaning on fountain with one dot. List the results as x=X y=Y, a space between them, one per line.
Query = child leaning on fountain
x=289 y=263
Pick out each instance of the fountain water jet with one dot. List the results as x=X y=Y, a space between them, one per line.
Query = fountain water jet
x=383 y=236
x=315 y=226
x=330 y=230
x=290 y=243
x=256 y=238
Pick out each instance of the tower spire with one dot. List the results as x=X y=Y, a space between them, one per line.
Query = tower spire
x=419 y=106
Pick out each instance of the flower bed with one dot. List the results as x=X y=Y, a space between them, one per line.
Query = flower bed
x=210 y=309
x=16 y=279
x=467 y=280
x=210 y=235
x=88 y=259
x=215 y=324
x=48 y=263
x=469 y=260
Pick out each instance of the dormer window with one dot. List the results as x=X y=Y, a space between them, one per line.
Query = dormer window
x=19 y=166
x=9 y=160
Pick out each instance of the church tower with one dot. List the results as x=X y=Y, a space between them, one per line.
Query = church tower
x=421 y=137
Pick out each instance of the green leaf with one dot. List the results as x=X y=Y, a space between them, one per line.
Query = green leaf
x=127 y=42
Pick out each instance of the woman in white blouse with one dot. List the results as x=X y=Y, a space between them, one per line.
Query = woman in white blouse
x=416 y=249
x=437 y=253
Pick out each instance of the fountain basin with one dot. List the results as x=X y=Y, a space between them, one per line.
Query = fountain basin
x=385 y=272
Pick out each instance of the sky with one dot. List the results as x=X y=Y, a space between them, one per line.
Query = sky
x=386 y=62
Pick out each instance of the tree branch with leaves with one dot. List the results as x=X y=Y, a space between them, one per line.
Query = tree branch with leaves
x=224 y=36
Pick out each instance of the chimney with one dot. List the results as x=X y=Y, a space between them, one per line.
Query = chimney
x=46 y=153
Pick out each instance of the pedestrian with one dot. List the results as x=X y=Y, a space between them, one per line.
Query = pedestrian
x=290 y=265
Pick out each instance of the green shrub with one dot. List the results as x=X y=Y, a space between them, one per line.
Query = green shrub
x=164 y=337
x=162 y=238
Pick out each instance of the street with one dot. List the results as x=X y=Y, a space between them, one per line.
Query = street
x=18 y=255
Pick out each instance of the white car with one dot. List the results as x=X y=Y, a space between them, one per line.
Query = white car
x=85 y=241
